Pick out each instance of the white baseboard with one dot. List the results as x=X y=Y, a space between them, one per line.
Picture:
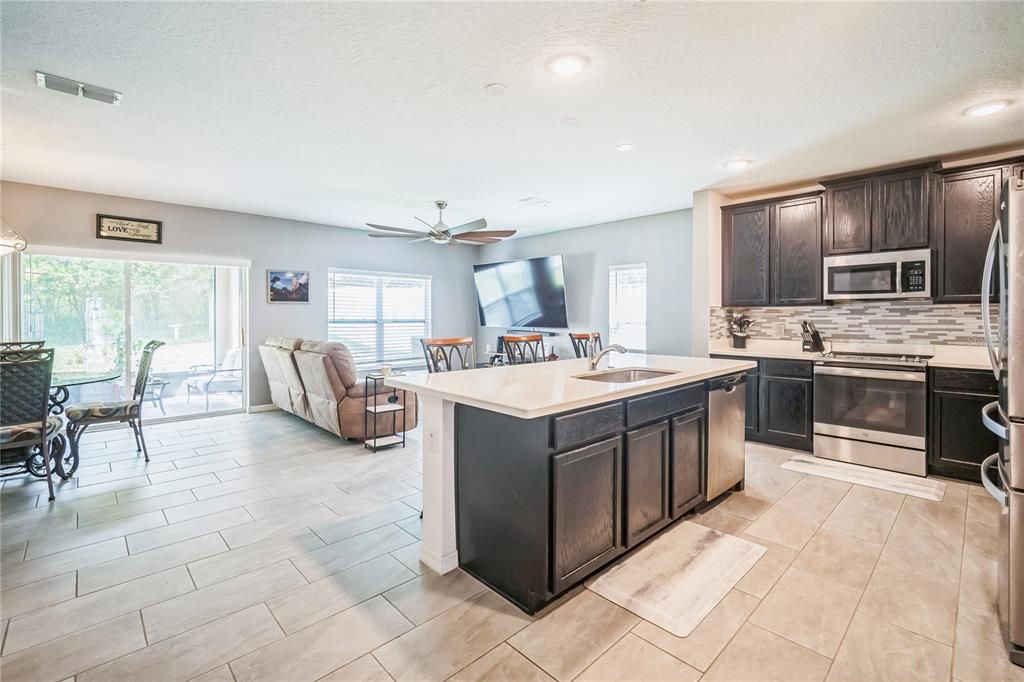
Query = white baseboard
x=269 y=407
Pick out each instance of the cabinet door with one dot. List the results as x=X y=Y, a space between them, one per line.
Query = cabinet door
x=587 y=514
x=688 y=453
x=848 y=217
x=967 y=206
x=796 y=252
x=745 y=250
x=753 y=417
x=900 y=219
x=787 y=412
x=959 y=441
x=647 y=482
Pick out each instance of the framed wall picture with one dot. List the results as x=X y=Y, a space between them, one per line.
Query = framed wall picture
x=126 y=229
x=288 y=286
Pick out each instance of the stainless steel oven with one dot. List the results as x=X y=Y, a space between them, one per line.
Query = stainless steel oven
x=875 y=415
x=891 y=274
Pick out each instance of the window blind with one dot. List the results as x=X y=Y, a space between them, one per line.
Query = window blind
x=380 y=317
x=627 y=305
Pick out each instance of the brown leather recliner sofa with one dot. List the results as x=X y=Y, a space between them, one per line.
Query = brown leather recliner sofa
x=317 y=380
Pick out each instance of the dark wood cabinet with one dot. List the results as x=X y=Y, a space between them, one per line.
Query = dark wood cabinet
x=848 y=217
x=587 y=510
x=745 y=255
x=647 y=482
x=958 y=441
x=787 y=404
x=900 y=219
x=688 y=453
x=796 y=251
x=966 y=208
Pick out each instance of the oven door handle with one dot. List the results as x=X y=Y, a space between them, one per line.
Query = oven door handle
x=996 y=491
x=993 y=423
x=870 y=373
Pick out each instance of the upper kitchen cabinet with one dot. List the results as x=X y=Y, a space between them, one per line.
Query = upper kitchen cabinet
x=966 y=208
x=848 y=217
x=900 y=219
x=771 y=253
x=796 y=251
x=745 y=255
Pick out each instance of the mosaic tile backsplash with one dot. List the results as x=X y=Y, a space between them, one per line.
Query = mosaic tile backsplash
x=874 y=321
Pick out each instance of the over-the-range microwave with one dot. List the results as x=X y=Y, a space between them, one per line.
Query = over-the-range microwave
x=892 y=274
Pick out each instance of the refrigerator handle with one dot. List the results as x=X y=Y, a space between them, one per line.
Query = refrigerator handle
x=996 y=491
x=992 y=423
x=986 y=286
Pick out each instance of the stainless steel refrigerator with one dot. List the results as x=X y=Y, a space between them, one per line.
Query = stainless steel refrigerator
x=1003 y=473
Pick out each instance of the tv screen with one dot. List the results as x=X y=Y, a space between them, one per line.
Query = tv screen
x=522 y=293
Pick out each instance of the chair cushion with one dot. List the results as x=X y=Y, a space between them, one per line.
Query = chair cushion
x=113 y=410
x=28 y=433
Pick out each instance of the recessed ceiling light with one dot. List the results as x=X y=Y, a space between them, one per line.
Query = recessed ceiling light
x=570 y=122
x=737 y=164
x=987 y=109
x=495 y=89
x=567 y=64
x=625 y=147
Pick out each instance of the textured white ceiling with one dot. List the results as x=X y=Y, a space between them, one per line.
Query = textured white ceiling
x=341 y=113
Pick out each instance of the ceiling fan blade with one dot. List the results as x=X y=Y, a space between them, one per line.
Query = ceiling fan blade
x=478 y=224
x=470 y=239
x=429 y=226
x=393 y=236
x=493 y=234
x=388 y=228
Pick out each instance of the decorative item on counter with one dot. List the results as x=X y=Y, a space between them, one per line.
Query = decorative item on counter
x=738 y=326
x=551 y=356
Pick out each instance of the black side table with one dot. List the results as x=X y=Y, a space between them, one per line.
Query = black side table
x=392 y=407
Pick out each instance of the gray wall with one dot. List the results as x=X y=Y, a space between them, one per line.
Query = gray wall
x=663 y=241
x=49 y=216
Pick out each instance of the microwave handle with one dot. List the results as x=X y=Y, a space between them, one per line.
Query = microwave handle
x=994 y=242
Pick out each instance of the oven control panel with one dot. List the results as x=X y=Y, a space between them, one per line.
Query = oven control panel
x=913 y=276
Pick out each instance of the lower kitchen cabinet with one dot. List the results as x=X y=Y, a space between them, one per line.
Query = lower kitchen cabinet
x=689 y=449
x=647 y=482
x=958 y=441
x=587 y=499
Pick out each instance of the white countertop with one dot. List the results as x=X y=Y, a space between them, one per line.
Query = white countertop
x=544 y=388
x=958 y=357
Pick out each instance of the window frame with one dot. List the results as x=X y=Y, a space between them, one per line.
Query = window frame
x=612 y=273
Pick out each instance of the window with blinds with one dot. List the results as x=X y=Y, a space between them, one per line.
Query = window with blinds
x=627 y=305
x=381 y=317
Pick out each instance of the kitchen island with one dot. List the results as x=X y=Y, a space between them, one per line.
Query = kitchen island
x=535 y=476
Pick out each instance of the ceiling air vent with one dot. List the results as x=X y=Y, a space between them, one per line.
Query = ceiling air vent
x=534 y=201
x=77 y=88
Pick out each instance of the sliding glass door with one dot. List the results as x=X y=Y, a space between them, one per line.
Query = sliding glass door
x=99 y=313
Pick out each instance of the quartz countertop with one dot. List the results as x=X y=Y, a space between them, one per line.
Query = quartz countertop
x=957 y=357
x=545 y=388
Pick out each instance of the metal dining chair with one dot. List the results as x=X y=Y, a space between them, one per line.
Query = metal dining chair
x=25 y=419
x=523 y=349
x=449 y=354
x=580 y=339
x=21 y=345
x=82 y=416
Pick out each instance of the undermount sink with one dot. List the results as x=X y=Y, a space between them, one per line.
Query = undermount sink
x=625 y=375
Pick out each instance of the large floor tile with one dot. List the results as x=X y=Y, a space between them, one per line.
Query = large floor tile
x=501 y=664
x=451 y=641
x=343 y=554
x=116 y=512
x=360 y=522
x=756 y=655
x=565 y=641
x=51 y=543
x=62 y=562
x=37 y=595
x=717 y=518
x=228 y=564
x=181 y=614
x=71 y=616
x=809 y=610
x=701 y=647
x=815 y=495
x=186 y=512
x=421 y=599
x=363 y=669
x=842 y=558
x=786 y=526
x=924 y=550
x=913 y=601
x=316 y=601
x=254 y=531
x=768 y=569
x=127 y=568
x=980 y=655
x=176 y=532
x=635 y=658
x=313 y=652
x=875 y=650
x=195 y=652
x=865 y=513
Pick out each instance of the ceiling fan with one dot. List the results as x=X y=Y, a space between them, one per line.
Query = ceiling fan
x=439 y=233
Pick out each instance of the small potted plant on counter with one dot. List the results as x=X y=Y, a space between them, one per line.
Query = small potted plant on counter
x=738 y=326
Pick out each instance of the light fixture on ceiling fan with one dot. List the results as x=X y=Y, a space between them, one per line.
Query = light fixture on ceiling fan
x=439 y=233
x=10 y=240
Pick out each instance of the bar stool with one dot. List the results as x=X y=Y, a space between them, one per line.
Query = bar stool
x=449 y=355
x=580 y=339
x=523 y=349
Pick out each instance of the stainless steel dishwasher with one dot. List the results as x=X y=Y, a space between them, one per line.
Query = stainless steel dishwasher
x=727 y=400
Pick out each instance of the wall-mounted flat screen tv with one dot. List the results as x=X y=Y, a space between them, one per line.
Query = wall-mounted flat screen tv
x=522 y=293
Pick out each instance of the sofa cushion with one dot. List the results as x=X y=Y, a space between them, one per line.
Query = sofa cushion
x=340 y=357
x=296 y=391
x=286 y=342
x=324 y=390
x=279 y=394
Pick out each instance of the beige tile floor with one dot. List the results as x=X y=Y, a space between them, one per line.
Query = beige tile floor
x=256 y=547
